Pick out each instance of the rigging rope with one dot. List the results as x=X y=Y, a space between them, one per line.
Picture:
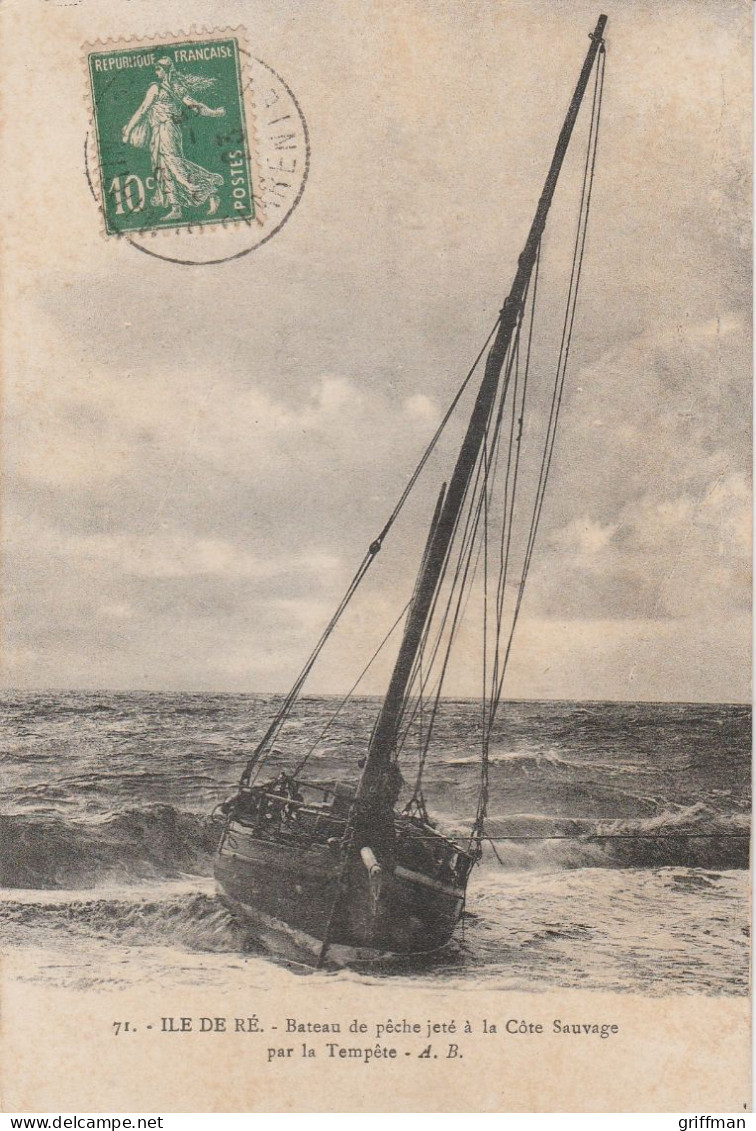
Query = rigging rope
x=458 y=585
x=476 y=508
x=548 y=451
x=505 y=545
x=259 y=755
x=301 y=765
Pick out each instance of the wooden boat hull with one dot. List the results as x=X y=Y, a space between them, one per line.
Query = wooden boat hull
x=290 y=893
x=292 y=945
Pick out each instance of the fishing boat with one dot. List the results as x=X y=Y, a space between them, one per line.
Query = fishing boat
x=340 y=871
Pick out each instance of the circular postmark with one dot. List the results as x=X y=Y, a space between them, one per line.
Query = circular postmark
x=178 y=187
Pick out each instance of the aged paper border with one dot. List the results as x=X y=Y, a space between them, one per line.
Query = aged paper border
x=58 y=1052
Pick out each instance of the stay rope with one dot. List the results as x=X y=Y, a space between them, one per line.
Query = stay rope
x=460 y=589
x=332 y=719
x=455 y=584
x=265 y=744
x=477 y=833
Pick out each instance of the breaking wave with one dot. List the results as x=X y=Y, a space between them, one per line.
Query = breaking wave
x=515 y=758
x=192 y=920
x=694 y=837
x=163 y=842
x=148 y=842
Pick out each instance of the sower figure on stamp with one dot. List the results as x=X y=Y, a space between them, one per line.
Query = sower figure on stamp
x=157 y=124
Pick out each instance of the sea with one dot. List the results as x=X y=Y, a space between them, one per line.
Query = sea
x=616 y=860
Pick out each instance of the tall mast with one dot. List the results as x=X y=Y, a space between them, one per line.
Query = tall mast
x=384 y=737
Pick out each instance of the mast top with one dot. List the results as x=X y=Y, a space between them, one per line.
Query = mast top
x=383 y=740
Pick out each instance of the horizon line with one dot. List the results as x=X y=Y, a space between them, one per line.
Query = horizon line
x=363 y=696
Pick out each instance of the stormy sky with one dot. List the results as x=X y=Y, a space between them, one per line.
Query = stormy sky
x=196 y=458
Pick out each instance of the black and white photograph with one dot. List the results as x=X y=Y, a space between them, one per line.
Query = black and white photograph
x=377 y=555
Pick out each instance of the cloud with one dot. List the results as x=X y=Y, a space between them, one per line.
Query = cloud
x=248 y=509
x=584 y=538
x=171 y=555
x=653 y=446
x=422 y=408
x=198 y=459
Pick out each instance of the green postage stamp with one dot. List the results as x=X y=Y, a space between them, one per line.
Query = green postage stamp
x=171 y=136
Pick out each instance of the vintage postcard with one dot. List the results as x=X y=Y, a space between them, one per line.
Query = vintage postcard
x=377 y=544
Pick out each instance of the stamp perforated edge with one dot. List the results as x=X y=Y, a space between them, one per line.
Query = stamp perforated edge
x=195 y=33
